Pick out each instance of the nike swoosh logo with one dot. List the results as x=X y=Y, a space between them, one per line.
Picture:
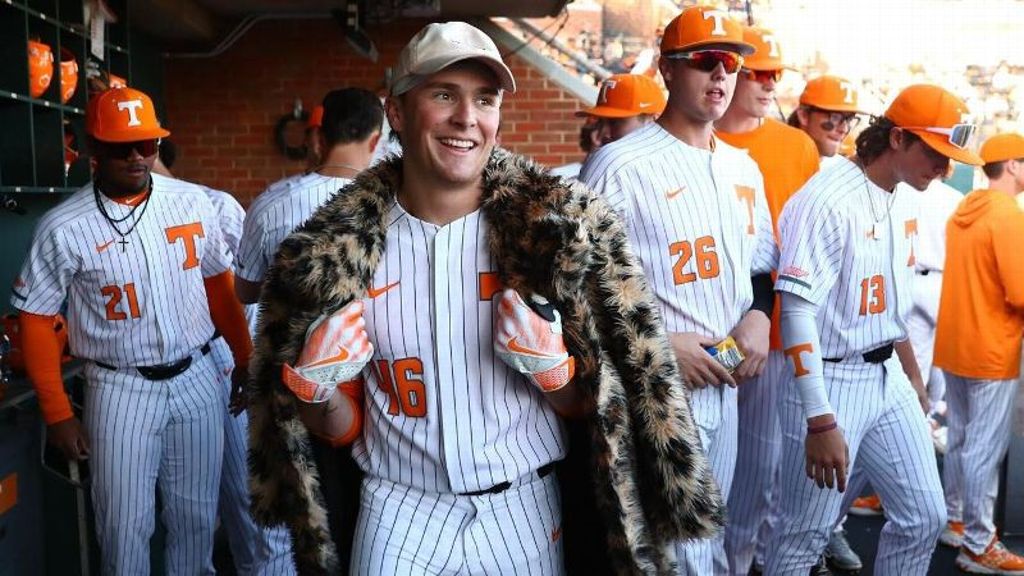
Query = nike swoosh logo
x=375 y=292
x=101 y=247
x=340 y=357
x=514 y=346
x=645 y=104
x=674 y=193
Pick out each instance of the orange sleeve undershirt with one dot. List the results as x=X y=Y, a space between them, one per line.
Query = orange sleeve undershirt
x=42 y=362
x=228 y=316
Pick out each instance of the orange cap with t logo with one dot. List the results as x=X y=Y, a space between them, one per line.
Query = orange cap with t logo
x=704 y=28
x=767 y=54
x=830 y=93
x=122 y=115
x=626 y=95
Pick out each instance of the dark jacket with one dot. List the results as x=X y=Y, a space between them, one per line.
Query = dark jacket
x=644 y=475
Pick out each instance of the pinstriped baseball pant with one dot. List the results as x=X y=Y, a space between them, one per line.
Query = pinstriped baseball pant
x=750 y=499
x=254 y=550
x=889 y=444
x=979 y=436
x=405 y=531
x=146 y=434
x=715 y=413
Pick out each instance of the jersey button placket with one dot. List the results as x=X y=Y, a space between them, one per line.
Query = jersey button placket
x=155 y=267
x=443 y=343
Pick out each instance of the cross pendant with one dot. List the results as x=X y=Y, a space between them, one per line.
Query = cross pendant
x=123 y=243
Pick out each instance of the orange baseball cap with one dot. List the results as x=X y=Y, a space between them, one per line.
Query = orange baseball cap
x=704 y=27
x=122 y=115
x=1003 y=147
x=767 y=54
x=626 y=95
x=316 y=117
x=831 y=93
x=938 y=117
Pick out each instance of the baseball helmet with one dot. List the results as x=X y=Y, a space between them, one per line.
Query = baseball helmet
x=68 y=75
x=122 y=115
x=40 y=68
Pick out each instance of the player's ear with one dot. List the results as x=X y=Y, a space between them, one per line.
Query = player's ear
x=803 y=116
x=665 y=67
x=393 y=110
x=895 y=137
x=373 y=140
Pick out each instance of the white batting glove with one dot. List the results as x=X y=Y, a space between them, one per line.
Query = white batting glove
x=336 y=350
x=531 y=343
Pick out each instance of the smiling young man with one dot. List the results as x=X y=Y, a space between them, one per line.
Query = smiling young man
x=137 y=257
x=828 y=112
x=416 y=315
x=696 y=215
x=846 y=272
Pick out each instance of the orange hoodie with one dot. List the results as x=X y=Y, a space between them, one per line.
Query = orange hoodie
x=981 y=310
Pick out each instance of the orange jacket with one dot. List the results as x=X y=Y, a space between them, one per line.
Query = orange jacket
x=787 y=158
x=981 y=310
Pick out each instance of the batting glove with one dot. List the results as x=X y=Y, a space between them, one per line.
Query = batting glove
x=529 y=339
x=336 y=350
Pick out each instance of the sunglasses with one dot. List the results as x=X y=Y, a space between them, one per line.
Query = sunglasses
x=708 y=60
x=761 y=76
x=959 y=135
x=836 y=119
x=123 y=150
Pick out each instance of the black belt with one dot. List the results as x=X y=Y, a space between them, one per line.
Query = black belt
x=925 y=272
x=876 y=356
x=541 y=472
x=161 y=371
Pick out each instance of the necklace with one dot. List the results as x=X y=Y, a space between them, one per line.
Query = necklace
x=338 y=165
x=113 y=222
x=876 y=229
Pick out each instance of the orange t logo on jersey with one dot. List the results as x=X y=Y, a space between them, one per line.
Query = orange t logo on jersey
x=746 y=195
x=794 y=353
x=188 y=233
x=910 y=229
x=489 y=285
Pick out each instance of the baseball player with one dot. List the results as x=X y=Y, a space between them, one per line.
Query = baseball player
x=978 y=346
x=828 y=112
x=696 y=214
x=135 y=255
x=846 y=272
x=349 y=131
x=786 y=158
x=625 y=102
x=425 y=278
x=253 y=551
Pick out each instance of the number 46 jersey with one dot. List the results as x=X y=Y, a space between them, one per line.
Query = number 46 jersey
x=136 y=303
x=697 y=220
x=848 y=247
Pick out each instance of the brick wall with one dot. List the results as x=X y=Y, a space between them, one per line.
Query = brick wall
x=222 y=111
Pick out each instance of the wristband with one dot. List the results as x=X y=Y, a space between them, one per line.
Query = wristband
x=823 y=428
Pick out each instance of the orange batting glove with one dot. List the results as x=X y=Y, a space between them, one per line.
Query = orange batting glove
x=529 y=339
x=336 y=350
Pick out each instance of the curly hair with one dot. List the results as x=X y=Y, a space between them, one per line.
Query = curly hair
x=874 y=140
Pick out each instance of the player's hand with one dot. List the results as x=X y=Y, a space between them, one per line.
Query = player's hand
x=336 y=350
x=239 y=384
x=698 y=368
x=529 y=339
x=922 y=394
x=69 y=438
x=751 y=335
x=828 y=458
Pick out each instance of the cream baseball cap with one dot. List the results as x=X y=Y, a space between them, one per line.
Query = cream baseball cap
x=441 y=44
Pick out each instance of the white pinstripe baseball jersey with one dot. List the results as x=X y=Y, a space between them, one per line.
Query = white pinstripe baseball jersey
x=273 y=216
x=442 y=413
x=230 y=214
x=698 y=221
x=129 y=304
x=848 y=247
